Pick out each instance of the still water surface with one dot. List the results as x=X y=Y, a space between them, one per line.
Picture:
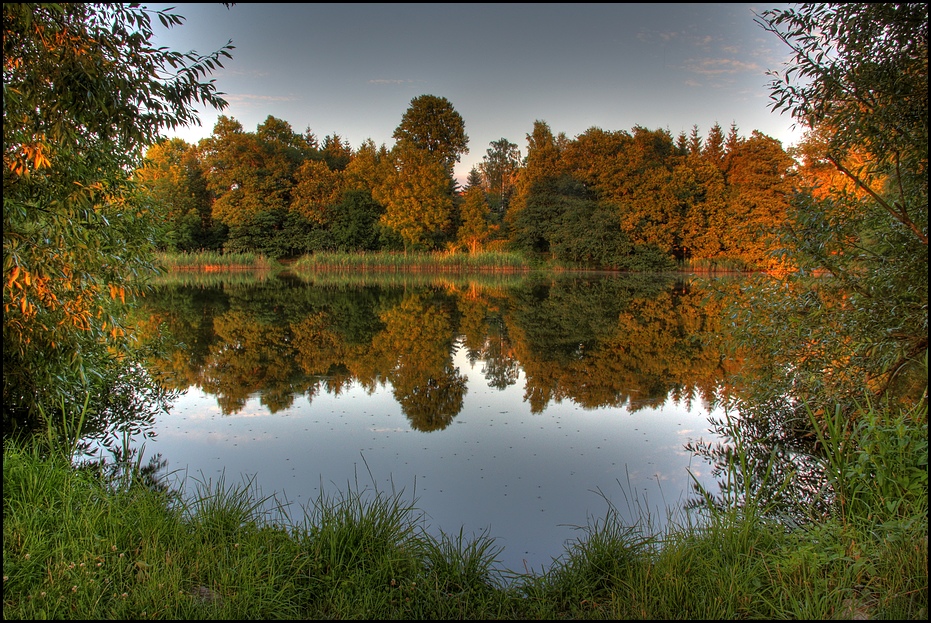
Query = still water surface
x=518 y=410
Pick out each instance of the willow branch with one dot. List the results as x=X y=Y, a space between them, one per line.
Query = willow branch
x=899 y=214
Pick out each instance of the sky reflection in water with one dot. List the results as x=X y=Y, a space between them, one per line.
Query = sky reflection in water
x=529 y=479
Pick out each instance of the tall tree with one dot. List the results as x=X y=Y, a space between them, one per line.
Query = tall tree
x=500 y=167
x=474 y=180
x=250 y=172
x=543 y=162
x=759 y=187
x=336 y=152
x=733 y=138
x=432 y=124
x=84 y=93
x=713 y=149
x=475 y=213
x=364 y=171
x=317 y=190
x=695 y=141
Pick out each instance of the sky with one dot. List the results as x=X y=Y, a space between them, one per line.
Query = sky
x=353 y=69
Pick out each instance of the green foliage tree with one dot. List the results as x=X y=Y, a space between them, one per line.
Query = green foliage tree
x=84 y=93
x=355 y=225
x=276 y=233
x=474 y=180
x=432 y=124
x=701 y=196
x=336 y=152
x=499 y=168
x=858 y=78
x=543 y=162
x=173 y=177
x=713 y=149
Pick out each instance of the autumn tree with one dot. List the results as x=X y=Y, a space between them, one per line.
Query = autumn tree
x=364 y=170
x=415 y=192
x=758 y=189
x=84 y=93
x=475 y=214
x=633 y=173
x=317 y=189
x=251 y=172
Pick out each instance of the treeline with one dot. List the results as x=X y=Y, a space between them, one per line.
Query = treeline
x=638 y=200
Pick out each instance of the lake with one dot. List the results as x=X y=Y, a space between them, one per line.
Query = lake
x=519 y=407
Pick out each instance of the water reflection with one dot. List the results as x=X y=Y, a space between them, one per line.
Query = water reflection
x=597 y=341
x=539 y=397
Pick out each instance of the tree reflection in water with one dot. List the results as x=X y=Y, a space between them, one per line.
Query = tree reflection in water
x=597 y=341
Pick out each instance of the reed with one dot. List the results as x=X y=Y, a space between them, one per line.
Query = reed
x=442 y=262
x=214 y=261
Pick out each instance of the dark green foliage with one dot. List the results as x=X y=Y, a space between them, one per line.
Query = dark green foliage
x=563 y=220
x=355 y=224
x=277 y=234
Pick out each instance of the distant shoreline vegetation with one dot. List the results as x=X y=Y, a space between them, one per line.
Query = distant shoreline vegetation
x=412 y=262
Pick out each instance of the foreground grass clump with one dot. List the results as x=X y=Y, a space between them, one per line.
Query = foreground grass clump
x=78 y=544
x=75 y=546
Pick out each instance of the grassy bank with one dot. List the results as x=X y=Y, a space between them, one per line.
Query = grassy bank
x=83 y=545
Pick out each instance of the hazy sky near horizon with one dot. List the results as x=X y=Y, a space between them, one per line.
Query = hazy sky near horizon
x=353 y=69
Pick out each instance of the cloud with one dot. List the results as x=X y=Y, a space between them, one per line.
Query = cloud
x=248 y=98
x=254 y=73
x=718 y=66
x=393 y=81
x=652 y=35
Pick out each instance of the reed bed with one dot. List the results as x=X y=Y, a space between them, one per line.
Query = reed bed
x=213 y=278
x=488 y=261
x=212 y=261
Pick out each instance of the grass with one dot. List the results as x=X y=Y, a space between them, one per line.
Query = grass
x=76 y=546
